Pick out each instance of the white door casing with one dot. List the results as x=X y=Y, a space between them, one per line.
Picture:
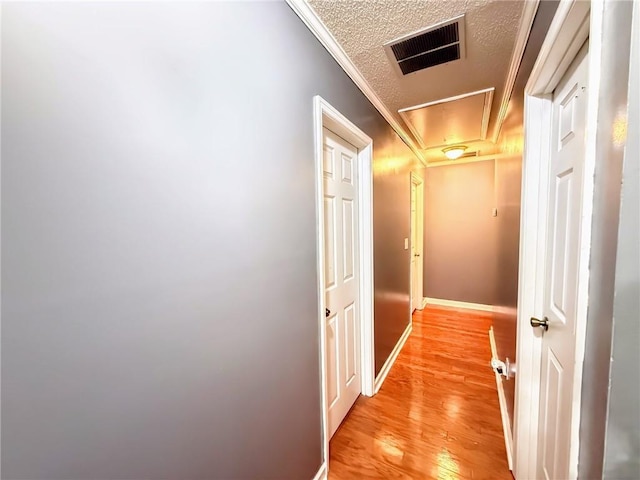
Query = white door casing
x=341 y=276
x=574 y=22
x=561 y=269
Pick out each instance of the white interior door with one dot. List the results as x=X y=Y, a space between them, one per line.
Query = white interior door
x=415 y=301
x=416 y=243
x=341 y=277
x=561 y=270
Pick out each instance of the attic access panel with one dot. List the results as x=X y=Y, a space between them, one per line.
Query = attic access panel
x=431 y=46
x=450 y=121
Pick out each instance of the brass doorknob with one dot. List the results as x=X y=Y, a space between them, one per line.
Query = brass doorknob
x=544 y=323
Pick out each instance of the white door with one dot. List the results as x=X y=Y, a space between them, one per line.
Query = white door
x=416 y=295
x=341 y=276
x=561 y=270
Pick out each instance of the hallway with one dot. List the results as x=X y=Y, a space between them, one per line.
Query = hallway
x=437 y=414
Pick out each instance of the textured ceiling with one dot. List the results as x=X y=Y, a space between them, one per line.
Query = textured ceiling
x=363 y=27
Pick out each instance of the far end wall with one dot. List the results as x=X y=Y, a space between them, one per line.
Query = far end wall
x=470 y=255
x=460 y=233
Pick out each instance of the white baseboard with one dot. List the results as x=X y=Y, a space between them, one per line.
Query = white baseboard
x=322 y=472
x=392 y=358
x=456 y=304
x=424 y=303
x=504 y=413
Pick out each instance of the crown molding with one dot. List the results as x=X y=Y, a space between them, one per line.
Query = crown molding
x=328 y=41
x=479 y=158
x=522 y=37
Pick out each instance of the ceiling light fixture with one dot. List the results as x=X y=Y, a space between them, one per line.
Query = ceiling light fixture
x=455 y=152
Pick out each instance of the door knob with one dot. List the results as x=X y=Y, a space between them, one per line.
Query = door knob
x=544 y=323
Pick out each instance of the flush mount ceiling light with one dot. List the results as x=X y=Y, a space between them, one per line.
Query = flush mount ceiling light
x=454 y=152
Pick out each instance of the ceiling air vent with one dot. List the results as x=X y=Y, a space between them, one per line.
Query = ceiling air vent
x=428 y=47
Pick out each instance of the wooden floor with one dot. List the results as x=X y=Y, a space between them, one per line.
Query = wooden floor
x=437 y=414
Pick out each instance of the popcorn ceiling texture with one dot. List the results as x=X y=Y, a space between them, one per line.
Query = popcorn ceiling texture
x=363 y=27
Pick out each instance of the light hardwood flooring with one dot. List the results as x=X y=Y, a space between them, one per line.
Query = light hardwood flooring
x=437 y=414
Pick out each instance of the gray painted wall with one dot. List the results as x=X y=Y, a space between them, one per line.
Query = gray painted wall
x=159 y=240
x=603 y=282
x=508 y=200
x=622 y=442
x=391 y=225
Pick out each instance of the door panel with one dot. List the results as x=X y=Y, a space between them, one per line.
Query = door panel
x=561 y=244
x=341 y=276
x=350 y=335
x=348 y=248
x=347 y=169
x=561 y=269
x=551 y=422
x=329 y=241
x=333 y=387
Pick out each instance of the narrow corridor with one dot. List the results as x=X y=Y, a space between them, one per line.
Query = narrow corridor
x=437 y=414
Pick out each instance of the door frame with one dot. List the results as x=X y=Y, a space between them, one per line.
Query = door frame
x=419 y=183
x=326 y=116
x=575 y=21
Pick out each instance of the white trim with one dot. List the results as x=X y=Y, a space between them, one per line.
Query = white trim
x=322 y=33
x=324 y=115
x=567 y=33
x=419 y=183
x=424 y=303
x=386 y=368
x=522 y=37
x=504 y=412
x=486 y=112
x=569 y=29
x=457 y=304
x=322 y=472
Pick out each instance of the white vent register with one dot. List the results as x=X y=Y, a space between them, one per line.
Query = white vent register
x=431 y=46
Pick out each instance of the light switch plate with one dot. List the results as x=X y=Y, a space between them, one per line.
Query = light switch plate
x=406 y=244
x=494 y=212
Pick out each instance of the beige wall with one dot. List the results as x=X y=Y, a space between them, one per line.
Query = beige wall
x=460 y=233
